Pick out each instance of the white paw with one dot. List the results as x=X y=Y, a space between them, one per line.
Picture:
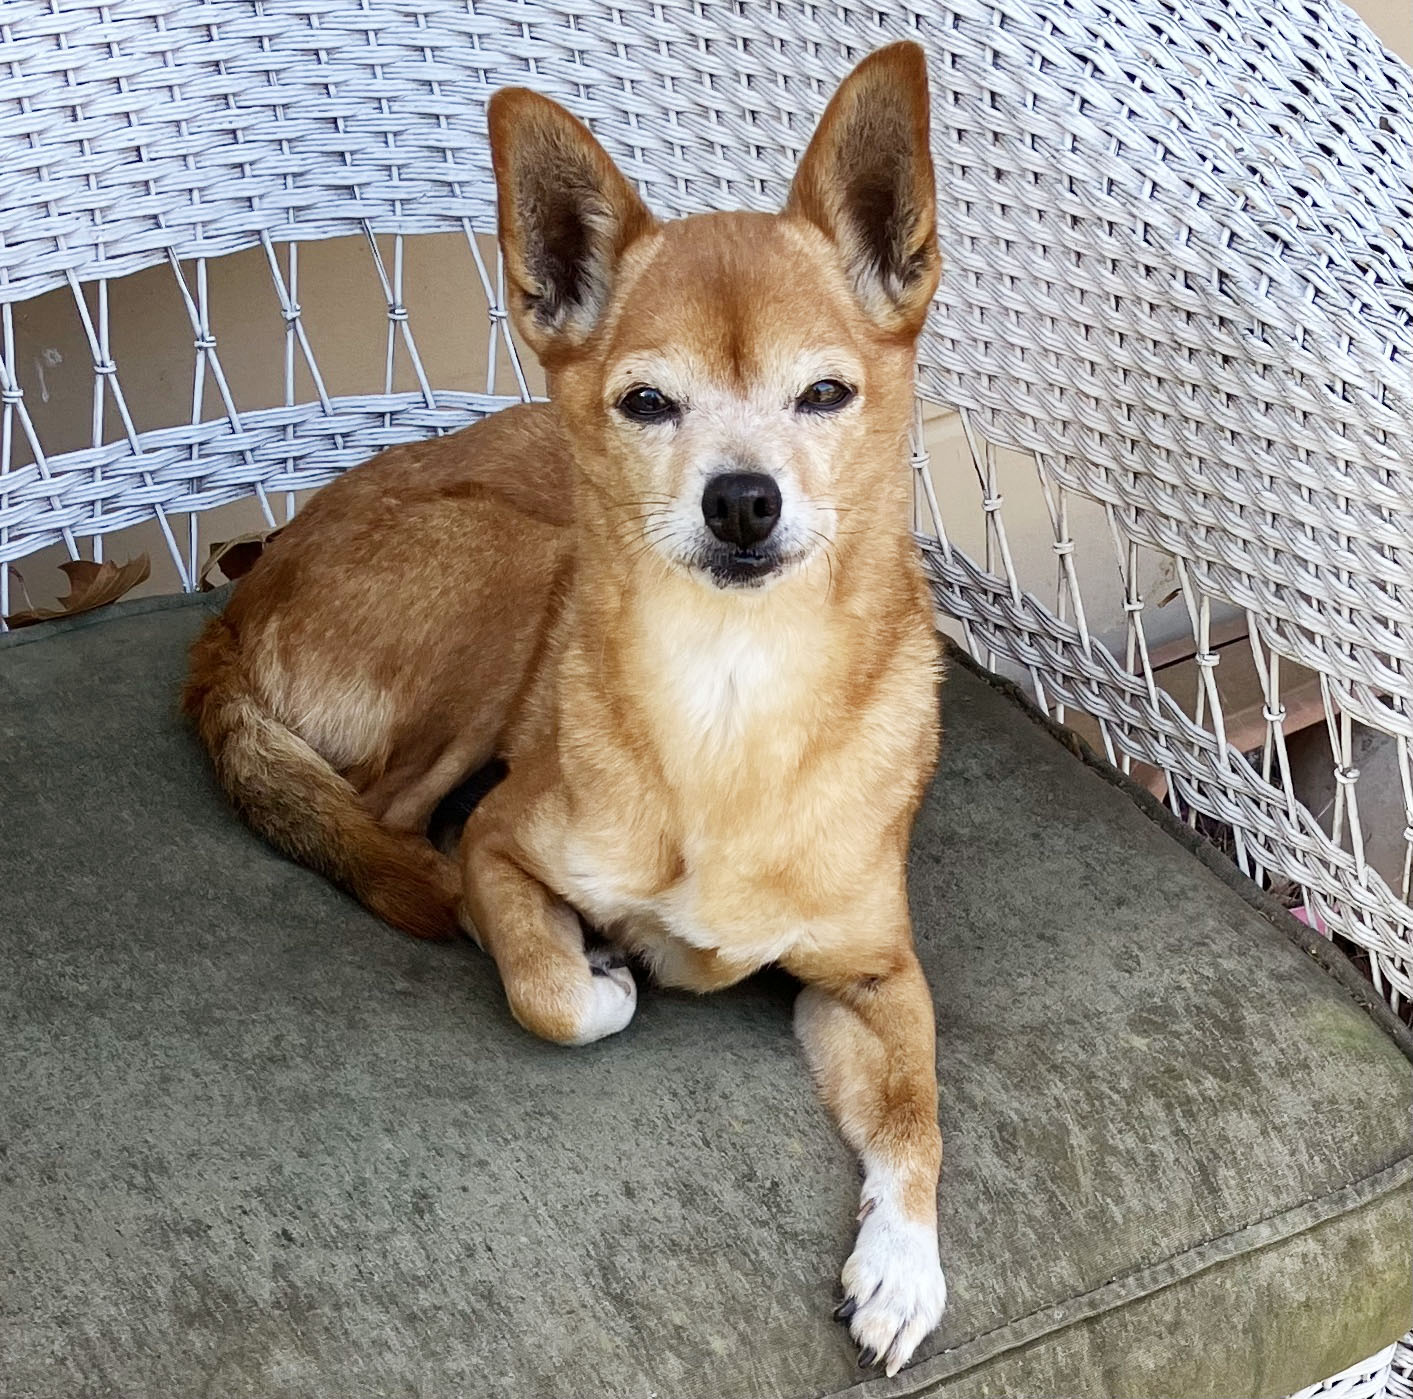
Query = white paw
x=894 y=1291
x=613 y=997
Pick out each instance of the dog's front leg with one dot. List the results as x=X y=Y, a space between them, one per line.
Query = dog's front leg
x=555 y=989
x=871 y=1044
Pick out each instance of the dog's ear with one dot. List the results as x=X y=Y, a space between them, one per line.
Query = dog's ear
x=866 y=182
x=566 y=215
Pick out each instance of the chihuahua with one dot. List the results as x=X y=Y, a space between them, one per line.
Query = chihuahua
x=682 y=604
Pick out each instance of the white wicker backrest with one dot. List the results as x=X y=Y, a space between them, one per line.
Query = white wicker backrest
x=1178 y=254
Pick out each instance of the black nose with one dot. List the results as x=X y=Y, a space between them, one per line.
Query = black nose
x=741 y=507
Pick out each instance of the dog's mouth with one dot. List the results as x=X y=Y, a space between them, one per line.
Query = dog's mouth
x=728 y=566
x=743 y=568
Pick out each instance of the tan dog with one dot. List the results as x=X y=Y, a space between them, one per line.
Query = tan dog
x=682 y=602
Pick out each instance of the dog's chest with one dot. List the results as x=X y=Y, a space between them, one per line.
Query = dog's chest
x=722 y=690
x=610 y=876
x=690 y=845
x=647 y=900
x=603 y=880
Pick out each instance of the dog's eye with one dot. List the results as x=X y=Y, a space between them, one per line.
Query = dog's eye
x=646 y=405
x=823 y=395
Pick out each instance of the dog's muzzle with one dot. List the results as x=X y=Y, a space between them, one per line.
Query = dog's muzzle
x=741 y=509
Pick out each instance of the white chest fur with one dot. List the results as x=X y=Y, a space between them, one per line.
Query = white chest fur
x=716 y=684
x=665 y=927
x=730 y=698
x=598 y=881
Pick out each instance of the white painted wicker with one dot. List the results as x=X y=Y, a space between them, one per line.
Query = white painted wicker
x=1178 y=242
x=1369 y=1379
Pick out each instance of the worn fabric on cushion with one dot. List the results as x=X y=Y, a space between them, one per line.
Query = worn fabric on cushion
x=253 y=1143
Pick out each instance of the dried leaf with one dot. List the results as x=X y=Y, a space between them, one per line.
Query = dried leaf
x=233 y=558
x=90 y=585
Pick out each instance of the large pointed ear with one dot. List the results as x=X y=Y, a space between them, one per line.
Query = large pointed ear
x=866 y=182
x=566 y=215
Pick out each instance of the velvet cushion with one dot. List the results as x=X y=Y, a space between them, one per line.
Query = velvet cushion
x=252 y=1142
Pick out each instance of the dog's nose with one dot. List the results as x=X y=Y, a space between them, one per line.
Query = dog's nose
x=741 y=507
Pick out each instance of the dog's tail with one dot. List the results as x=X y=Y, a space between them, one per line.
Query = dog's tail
x=292 y=797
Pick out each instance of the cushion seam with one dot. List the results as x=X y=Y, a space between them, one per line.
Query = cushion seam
x=1127 y=1288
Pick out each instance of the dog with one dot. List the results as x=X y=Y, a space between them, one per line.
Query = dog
x=681 y=603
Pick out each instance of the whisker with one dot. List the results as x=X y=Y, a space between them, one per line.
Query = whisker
x=647 y=500
x=645 y=525
x=652 y=536
x=826 y=548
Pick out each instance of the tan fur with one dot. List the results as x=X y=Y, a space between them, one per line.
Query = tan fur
x=331 y=689
x=717 y=777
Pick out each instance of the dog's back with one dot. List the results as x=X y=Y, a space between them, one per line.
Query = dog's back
x=333 y=692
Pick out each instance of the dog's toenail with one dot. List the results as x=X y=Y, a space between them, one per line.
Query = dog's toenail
x=867 y=1356
x=846 y=1309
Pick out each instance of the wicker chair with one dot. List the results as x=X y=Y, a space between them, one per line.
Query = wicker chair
x=1178 y=252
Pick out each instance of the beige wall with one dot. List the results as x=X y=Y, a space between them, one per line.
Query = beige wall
x=345 y=318
x=1392 y=21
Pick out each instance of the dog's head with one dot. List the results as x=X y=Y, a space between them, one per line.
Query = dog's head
x=738 y=386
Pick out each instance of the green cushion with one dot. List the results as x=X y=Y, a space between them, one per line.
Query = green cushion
x=254 y=1143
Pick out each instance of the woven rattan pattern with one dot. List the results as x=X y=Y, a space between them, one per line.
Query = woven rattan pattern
x=1370 y=1379
x=1177 y=238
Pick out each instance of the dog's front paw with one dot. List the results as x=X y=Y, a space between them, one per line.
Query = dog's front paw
x=894 y=1291
x=612 y=998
